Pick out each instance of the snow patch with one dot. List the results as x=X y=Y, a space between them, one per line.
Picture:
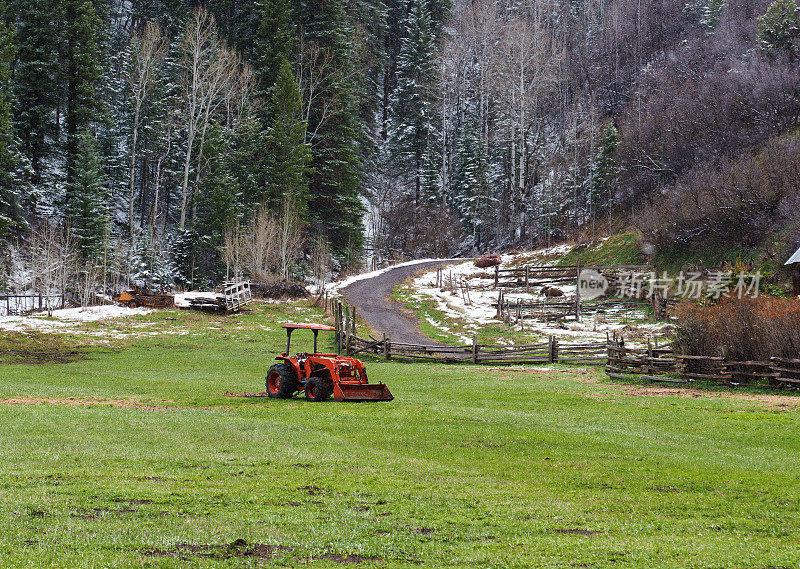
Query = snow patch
x=66 y=317
x=350 y=280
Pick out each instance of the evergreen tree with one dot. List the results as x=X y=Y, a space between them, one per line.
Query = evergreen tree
x=605 y=171
x=474 y=200
x=87 y=210
x=11 y=162
x=82 y=75
x=413 y=100
x=36 y=74
x=288 y=156
x=217 y=202
x=779 y=27
x=334 y=202
x=275 y=41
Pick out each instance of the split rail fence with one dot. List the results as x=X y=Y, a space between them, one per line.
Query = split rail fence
x=556 y=307
x=656 y=363
x=551 y=351
x=651 y=362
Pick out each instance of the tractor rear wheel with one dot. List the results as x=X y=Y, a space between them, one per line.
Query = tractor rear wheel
x=281 y=381
x=317 y=389
x=133 y=304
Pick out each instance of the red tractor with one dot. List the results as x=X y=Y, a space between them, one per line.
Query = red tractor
x=321 y=375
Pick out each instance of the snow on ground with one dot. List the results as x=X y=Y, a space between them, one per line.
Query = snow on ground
x=349 y=280
x=59 y=320
x=472 y=305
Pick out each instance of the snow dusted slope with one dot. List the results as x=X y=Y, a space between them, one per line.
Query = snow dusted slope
x=472 y=306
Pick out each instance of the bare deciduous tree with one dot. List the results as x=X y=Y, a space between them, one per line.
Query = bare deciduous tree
x=148 y=48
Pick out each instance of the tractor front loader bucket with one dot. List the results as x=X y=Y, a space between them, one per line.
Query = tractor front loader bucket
x=361 y=392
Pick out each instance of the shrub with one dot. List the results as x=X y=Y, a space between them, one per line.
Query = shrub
x=747 y=329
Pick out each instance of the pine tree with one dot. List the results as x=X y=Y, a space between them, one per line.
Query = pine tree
x=605 y=171
x=87 y=211
x=82 y=74
x=11 y=163
x=275 y=41
x=334 y=188
x=413 y=100
x=779 y=26
x=217 y=202
x=36 y=74
x=288 y=156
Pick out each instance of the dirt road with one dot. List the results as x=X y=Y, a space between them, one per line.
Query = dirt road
x=381 y=313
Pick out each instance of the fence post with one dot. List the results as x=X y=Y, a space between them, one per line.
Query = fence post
x=578 y=292
x=550 y=358
x=339 y=326
x=496 y=276
x=353 y=322
x=475 y=348
x=387 y=348
x=526 y=277
x=649 y=356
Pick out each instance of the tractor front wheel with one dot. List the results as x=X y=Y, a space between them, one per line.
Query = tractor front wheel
x=133 y=304
x=281 y=381
x=317 y=389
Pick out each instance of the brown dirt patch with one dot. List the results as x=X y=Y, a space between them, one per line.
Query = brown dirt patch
x=424 y=531
x=349 y=558
x=261 y=394
x=775 y=402
x=99 y=402
x=239 y=548
x=576 y=531
x=82 y=402
x=770 y=401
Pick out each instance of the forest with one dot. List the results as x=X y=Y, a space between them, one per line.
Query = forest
x=180 y=143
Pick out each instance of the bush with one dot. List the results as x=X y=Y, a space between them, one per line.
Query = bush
x=747 y=329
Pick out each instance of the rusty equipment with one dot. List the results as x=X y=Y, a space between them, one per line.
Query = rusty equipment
x=321 y=375
x=135 y=297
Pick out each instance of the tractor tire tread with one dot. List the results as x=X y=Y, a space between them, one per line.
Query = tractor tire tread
x=287 y=381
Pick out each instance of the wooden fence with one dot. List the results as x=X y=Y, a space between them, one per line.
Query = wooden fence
x=551 y=351
x=567 y=274
x=656 y=363
x=20 y=304
x=651 y=362
x=559 y=307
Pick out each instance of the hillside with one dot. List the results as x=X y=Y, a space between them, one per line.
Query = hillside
x=178 y=144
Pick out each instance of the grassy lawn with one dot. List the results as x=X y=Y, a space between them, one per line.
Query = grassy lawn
x=133 y=457
x=453 y=330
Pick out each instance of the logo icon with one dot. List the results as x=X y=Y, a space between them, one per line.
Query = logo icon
x=591 y=284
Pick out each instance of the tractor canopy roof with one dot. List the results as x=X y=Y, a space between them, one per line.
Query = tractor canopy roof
x=294 y=326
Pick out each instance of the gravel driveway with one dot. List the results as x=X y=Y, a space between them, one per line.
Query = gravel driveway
x=381 y=313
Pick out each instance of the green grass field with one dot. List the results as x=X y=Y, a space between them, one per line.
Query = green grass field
x=132 y=456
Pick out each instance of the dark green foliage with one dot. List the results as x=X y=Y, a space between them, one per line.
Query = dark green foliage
x=605 y=171
x=275 y=41
x=36 y=74
x=779 y=27
x=413 y=100
x=87 y=209
x=196 y=259
x=288 y=156
x=11 y=162
x=217 y=200
x=82 y=74
x=334 y=203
